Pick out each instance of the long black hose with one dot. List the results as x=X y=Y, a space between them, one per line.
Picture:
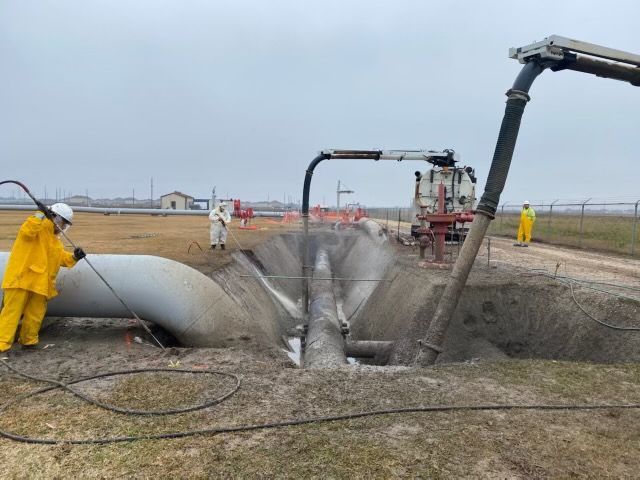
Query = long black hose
x=244 y=428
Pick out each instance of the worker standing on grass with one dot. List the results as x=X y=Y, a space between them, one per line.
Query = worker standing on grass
x=30 y=276
x=527 y=219
x=220 y=219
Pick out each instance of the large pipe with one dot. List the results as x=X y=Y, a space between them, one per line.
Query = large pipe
x=137 y=211
x=324 y=343
x=517 y=99
x=379 y=350
x=188 y=304
x=603 y=69
x=373 y=229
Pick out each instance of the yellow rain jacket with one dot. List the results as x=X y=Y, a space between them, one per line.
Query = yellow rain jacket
x=528 y=214
x=36 y=257
x=527 y=219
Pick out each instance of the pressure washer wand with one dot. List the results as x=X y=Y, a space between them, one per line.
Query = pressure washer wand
x=45 y=210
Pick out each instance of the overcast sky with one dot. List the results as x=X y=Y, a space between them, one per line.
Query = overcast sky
x=103 y=95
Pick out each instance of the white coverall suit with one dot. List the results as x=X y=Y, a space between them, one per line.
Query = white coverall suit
x=218 y=231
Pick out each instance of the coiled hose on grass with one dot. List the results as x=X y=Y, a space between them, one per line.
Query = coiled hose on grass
x=240 y=428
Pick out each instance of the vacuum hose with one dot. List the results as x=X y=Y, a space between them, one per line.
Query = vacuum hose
x=517 y=98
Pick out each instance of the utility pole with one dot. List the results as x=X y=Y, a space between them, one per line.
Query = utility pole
x=133 y=197
x=86 y=193
x=338 y=192
x=151 y=192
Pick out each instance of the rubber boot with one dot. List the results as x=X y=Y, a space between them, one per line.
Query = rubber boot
x=213 y=247
x=222 y=247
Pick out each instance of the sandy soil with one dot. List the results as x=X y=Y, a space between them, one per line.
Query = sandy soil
x=572 y=262
x=500 y=444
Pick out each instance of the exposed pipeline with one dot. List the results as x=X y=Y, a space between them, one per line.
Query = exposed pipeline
x=324 y=343
x=185 y=302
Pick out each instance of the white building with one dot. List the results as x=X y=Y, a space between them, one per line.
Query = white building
x=176 y=201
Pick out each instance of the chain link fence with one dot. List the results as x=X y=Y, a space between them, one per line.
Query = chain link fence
x=598 y=225
x=609 y=226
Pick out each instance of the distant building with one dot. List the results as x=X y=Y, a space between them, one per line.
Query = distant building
x=176 y=201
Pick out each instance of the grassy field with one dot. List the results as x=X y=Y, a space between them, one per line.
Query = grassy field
x=168 y=237
x=607 y=233
x=493 y=444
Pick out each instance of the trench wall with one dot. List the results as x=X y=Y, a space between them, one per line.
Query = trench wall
x=499 y=316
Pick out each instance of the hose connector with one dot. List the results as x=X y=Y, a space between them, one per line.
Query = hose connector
x=513 y=94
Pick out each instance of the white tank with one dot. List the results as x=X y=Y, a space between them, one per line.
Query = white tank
x=460 y=189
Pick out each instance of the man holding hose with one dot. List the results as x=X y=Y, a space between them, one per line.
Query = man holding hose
x=220 y=219
x=30 y=276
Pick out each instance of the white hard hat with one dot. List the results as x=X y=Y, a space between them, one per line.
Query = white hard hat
x=526 y=202
x=222 y=204
x=63 y=210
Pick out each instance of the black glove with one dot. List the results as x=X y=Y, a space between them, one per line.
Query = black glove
x=79 y=254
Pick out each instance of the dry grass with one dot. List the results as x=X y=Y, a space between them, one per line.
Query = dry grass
x=167 y=237
x=524 y=444
x=606 y=233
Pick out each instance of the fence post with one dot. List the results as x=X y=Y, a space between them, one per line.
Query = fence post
x=581 y=222
x=502 y=215
x=550 y=215
x=635 y=229
x=551 y=212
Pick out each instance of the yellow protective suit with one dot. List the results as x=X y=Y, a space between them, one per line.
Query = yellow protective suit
x=30 y=280
x=527 y=219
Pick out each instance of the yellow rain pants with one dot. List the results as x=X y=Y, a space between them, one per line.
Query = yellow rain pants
x=21 y=303
x=527 y=219
x=30 y=280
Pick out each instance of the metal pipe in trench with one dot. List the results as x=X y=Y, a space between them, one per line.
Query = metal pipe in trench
x=376 y=155
x=324 y=344
x=377 y=349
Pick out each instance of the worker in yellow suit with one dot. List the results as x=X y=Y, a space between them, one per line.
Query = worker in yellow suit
x=30 y=275
x=527 y=219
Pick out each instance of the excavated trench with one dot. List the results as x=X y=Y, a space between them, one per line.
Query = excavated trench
x=502 y=313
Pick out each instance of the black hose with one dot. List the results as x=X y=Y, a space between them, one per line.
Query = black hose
x=127 y=411
x=517 y=99
x=259 y=426
x=516 y=102
x=307 y=181
x=502 y=156
x=44 y=209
